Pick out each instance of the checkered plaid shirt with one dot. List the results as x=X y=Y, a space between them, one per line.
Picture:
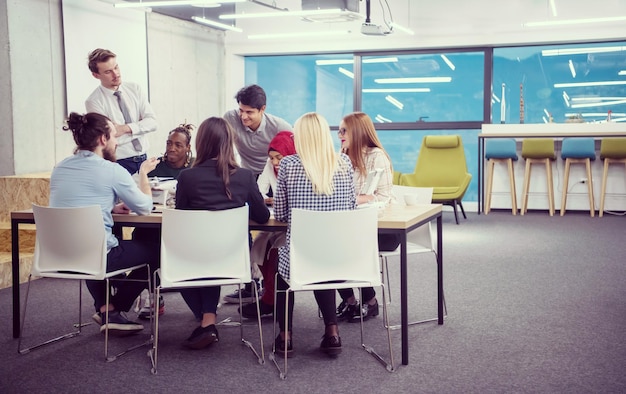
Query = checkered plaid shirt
x=294 y=190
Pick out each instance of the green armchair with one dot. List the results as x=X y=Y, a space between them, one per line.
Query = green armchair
x=441 y=165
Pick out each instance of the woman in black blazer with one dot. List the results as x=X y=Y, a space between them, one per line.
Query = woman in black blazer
x=215 y=182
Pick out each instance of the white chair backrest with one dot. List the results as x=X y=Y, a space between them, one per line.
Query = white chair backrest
x=334 y=246
x=421 y=236
x=69 y=240
x=204 y=244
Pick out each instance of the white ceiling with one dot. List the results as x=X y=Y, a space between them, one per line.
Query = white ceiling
x=436 y=23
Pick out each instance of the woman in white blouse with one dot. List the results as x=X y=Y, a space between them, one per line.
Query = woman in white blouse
x=360 y=142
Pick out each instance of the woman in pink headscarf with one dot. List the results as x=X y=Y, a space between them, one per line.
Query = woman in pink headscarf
x=282 y=145
x=264 y=253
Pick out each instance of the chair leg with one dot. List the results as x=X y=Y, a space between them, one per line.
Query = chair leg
x=512 y=184
x=565 y=186
x=389 y=366
x=462 y=210
x=550 y=187
x=489 y=184
x=53 y=340
x=272 y=355
x=592 y=206
x=605 y=175
x=147 y=342
x=525 y=189
x=261 y=357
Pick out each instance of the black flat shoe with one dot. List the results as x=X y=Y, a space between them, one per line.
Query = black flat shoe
x=331 y=345
x=202 y=337
x=279 y=347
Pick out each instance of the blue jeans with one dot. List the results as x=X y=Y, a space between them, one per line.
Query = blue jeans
x=126 y=254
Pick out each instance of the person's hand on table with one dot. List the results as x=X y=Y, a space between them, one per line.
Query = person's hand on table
x=121 y=208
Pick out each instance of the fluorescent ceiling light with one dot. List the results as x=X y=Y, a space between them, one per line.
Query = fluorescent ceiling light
x=545 y=111
x=598 y=98
x=414 y=80
x=333 y=62
x=298 y=35
x=216 y=24
x=284 y=13
x=347 y=73
x=408 y=90
x=544 y=119
x=566 y=99
x=403 y=29
x=382 y=119
x=496 y=98
x=580 y=51
x=381 y=60
x=563 y=22
x=448 y=62
x=168 y=3
x=599 y=104
x=584 y=84
x=394 y=101
x=622 y=72
x=572 y=69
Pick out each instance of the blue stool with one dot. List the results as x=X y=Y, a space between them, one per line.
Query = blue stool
x=500 y=150
x=582 y=151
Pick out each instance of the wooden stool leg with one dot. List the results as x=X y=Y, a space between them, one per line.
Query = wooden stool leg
x=605 y=175
x=550 y=188
x=525 y=189
x=592 y=207
x=490 y=164
x=565 y=186
x=512 y=182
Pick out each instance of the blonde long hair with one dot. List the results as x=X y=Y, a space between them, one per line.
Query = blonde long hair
x=314 y=145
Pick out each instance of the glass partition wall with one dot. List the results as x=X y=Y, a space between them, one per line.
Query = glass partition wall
x=413 y=94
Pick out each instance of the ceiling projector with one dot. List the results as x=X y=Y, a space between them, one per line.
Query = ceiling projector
x=371 y=29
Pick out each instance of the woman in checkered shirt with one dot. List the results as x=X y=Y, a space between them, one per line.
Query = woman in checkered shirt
x=316 y=178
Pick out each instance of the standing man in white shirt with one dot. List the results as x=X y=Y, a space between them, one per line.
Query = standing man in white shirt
x=125 y=105
x=255 y=129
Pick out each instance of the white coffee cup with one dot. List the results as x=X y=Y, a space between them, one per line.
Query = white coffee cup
x=410 y=199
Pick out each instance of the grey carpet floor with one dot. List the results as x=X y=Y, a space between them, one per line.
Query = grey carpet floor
x=536 y=304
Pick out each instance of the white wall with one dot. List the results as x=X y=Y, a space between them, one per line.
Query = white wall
x=180 y=63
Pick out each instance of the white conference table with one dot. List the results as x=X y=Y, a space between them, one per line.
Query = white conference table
x=396 y=219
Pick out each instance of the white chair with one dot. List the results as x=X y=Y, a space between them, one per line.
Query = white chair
x=71 y=244
x=333 y=250
x=419 y=240
x=201 y=249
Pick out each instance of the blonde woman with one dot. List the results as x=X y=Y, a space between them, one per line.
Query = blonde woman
x=315 y=178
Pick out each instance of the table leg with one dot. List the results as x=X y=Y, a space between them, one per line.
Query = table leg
x=404 y=318
x=439 y=271
x=481 y=175
x=15 y=271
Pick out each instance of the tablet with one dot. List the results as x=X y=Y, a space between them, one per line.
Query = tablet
x=371 y=182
